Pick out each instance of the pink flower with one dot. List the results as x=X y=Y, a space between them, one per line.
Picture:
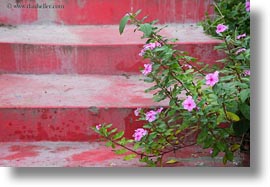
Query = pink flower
x=189 y=104
x=188 y=66
x=241 y=36
x=151 y=116
x=160 y=110
x=147 y=69
x=142 y=52
x=240 y=51
x=139 y=133
x=212 y=78
x=149 y=46
x=137 y=111
x=247 y=6
x=246 y=73
x=98 y=127
x=221 y=28
x=157 y=44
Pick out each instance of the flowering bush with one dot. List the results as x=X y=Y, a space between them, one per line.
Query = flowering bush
x=234 y=15
x=234 y=12
x=207 y=106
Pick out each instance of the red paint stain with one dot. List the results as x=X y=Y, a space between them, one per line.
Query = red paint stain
x=52 y=127
x=131 y=124
x=96 y=156
x=21 y=155
x=17 y=132
x=22 y=152
x=16 y=148
x=44 y=116
x=60 y=149
x=42 y=134
x=73 y=136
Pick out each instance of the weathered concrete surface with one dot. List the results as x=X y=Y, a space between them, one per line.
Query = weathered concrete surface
x=94 y=12
x=85 y=154
x=43 y=49
x=64 y=107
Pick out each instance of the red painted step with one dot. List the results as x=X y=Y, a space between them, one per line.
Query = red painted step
x=92 y=12
x=43 y=49
x=95 y=154
x=64 y=107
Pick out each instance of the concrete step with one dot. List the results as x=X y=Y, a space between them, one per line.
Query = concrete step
x=76 y=12
x=44 y=49
x=64 y=107
x=95 y=154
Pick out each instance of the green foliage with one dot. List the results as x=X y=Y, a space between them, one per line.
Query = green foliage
x=222 y=110
x=231 y=12
x=123 y=23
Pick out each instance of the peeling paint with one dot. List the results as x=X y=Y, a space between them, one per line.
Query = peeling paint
x=94 y=110
x=46 y=15
x=92 y=12
x=84 y=49
x=96 y=154
x=67 y=56
x=81 y=3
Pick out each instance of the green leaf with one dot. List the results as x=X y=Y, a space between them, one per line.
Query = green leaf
x=118 y=135
x=109 y=144
x=221 y=146
x=220 y=118
x=146 y=29
x=232 y=106
x=215 y=152
x=123 y=141
x=148 y=80
x=232 y=117
x=129 y=157
x=171 y=161
x=241 y=127
x=225 y=160
x=159 y=97
x=245 y=110
x=120 y=151
x=123 y=23
x=229 y=155
x=151 y=89
x=108 y=126
x=208 y=142
x=244 y=94
x=235 y=147
x=113 y=131
x=136 y=145
x=202 y=136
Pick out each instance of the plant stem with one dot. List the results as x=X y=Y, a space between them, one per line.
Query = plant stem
x=218 y=9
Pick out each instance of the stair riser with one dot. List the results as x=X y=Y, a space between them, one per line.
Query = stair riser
x=92 y=12
x=41 y=59
x=63 y=124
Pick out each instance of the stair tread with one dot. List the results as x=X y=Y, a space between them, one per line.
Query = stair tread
x=60 y=154
x=88 y=35
x=83 y=91
x=94 y=154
